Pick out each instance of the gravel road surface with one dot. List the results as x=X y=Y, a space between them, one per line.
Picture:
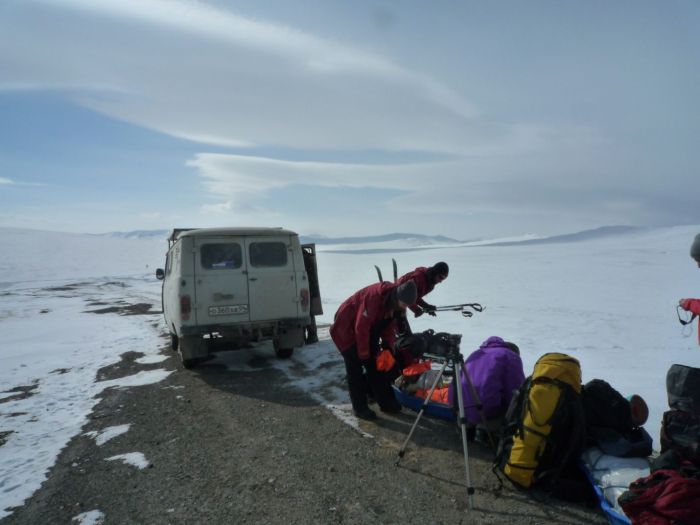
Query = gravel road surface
x=238 y=447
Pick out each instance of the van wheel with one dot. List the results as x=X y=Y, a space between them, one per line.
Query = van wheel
x=174 y=341
x=192 y=350
x=283 y=353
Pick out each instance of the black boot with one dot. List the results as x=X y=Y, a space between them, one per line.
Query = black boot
x=365 y=413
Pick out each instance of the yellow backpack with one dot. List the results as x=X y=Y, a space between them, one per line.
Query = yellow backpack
x=545 y=426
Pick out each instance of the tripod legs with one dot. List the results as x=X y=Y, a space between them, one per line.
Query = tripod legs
x=422 y=410
x=462 y=418
x=463 y=428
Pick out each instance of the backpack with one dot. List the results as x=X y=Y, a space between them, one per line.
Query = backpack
x=544 y=432
x=605 y=407
x=683 y=388
x=609 y=424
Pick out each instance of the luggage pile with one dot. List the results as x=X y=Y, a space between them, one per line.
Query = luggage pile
x=671 y=493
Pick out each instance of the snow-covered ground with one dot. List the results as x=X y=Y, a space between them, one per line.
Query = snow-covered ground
x=610 y=302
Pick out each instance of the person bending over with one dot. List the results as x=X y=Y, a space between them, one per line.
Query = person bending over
x=360 y=322
x=425 y=279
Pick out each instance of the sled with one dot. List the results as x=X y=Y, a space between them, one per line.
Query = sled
x=587 y=464
x=433 y=409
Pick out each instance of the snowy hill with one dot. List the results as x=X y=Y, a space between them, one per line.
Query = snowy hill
x=140 y=234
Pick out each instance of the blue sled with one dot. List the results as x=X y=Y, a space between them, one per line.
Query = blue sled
x=433 y=409
x=614 y=517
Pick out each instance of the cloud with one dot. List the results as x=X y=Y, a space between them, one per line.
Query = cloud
x=4 y=180
x=219 y=208
x=151 y=215
x=210 y=75
x=532 y=189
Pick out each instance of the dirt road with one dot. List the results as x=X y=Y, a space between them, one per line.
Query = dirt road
x=232 y=447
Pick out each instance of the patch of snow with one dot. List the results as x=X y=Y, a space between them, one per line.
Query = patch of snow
x=144 y=377
x=344 y=413
x=92 y=517
x=102 y=436
x=151 y=359
x=54 y=357
x=135 y=459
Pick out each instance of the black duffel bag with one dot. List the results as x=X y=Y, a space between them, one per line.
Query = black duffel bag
x=680 y=431
x=683 y=388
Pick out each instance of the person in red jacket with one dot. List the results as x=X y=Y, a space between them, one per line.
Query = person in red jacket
x=360 y=322
x=693 y=305
x=425 y=279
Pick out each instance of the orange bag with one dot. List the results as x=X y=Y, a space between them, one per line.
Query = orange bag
x=385 y=361
x=417 y=369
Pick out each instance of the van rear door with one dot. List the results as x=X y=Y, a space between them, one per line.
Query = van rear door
x=271 y=278
x=221 y=291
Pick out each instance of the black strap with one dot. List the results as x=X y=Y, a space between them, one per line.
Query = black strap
x=683 y=321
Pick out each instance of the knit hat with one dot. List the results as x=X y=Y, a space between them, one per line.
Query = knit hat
x=695 y=248
x=406 y=292
x=440 y=268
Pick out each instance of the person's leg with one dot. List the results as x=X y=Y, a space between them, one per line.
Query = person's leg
x=356 y=384
x=381 y=387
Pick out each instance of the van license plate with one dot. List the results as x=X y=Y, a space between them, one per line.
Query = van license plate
x=228 y=310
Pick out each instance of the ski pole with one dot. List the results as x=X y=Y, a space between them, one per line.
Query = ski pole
x=461 y=307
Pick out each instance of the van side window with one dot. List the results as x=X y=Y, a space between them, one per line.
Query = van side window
x=268 y=254
x=221 y=256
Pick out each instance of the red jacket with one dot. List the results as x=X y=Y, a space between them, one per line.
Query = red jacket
x=354 y=321
x=691 y=305
x=424 y=285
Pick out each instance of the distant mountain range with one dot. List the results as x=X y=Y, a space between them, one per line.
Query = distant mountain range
x=139 y=234
x=585 y=235
x=411 y=241
x=389 y=237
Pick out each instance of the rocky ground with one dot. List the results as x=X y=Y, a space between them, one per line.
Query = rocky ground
x=241 y=447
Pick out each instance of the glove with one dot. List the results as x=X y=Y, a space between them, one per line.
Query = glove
x=430 y=309
x=683 y=303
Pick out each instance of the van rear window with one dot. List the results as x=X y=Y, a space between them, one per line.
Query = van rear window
x=268 y=254
x=221 y=256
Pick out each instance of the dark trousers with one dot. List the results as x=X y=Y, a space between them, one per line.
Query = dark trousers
x=379 y=382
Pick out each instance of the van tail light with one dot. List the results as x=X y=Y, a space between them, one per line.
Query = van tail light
x=304 y=299
x=185 y=307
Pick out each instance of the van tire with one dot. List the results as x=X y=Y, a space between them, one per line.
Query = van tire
x=283 y=353
x=192 y=350
x=189 y=363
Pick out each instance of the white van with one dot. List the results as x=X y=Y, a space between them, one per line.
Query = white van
x=232 y=286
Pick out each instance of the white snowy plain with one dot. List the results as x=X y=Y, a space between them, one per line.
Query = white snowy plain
x=609 y=302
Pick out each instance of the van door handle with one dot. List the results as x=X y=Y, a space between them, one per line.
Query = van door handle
x=253 y=279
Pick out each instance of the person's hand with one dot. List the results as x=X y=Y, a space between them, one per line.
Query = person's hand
x=683 y=303
x=430 y=309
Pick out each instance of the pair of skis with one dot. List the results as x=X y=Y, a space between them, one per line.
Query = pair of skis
x=379 y=271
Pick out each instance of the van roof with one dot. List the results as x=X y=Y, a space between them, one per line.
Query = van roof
x=216 y=232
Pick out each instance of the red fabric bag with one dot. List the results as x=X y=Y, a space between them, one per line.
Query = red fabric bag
x=666 y=497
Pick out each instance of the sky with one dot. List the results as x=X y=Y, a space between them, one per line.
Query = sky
x=467 y=119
